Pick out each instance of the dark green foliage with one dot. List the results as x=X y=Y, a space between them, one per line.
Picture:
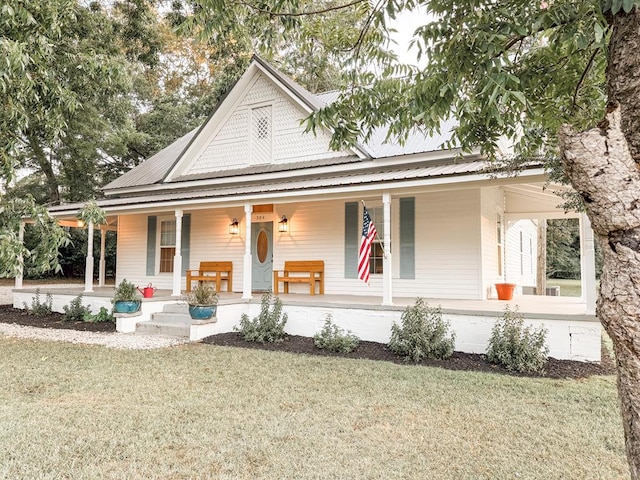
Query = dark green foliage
x=423 y=334
x=75 y=311
x=334 y=338
x=268 y=326
x=40 y=309
x=103 y=315
x=125 y=292
x=516 y=347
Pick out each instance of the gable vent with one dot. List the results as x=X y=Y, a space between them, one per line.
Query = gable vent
x=261 y=134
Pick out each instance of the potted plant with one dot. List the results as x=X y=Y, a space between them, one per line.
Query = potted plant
x=505 y=290
x=126 y=298
x=203 y=301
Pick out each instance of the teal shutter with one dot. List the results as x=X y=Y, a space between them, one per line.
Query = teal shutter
x=351 y=240
x=407 y=238
x=152 y=228
x=185 y=249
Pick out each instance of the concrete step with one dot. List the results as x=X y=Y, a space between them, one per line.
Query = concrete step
x=170 y=317
x=167 y=329
x=176 y=308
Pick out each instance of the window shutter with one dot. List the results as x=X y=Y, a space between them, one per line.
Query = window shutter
x=185 y=249
x=407 y=238
x=351 y=240
x=152 y=226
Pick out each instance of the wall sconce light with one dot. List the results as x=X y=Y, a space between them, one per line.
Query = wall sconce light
x=80 y=223
x=233 y=227
x=283 y=224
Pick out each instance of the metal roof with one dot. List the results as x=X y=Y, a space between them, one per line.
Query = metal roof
x=320 y=182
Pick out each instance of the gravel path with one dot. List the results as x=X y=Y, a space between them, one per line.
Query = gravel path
x=109 y=340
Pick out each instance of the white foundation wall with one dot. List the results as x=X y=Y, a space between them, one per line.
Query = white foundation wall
x=567 y=339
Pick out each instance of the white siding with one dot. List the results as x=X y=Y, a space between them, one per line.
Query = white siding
x=231 y=145
x=132 y=253
x=521 y=265
x=492 y=206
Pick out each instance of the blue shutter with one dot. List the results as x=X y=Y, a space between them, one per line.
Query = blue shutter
x=351 y=240
x=407 y=238
x=152 y=228
x=185 y=249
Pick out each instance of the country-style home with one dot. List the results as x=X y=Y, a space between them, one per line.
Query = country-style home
x=250 y=187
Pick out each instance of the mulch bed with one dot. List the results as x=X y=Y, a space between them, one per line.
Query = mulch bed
x=459 y=360
x=17 y=316
x=304 y=345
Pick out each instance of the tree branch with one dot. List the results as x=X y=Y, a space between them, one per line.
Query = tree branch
x=574 y=103
x=300 y=14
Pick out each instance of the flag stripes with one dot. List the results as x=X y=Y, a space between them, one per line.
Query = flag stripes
x=368 y=234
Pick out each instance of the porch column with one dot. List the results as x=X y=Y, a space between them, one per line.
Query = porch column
x=88 y=272
x=20 y=274
x=588 y=265
x=102 y=264
x=177 y=257
x=387 y=283
x=248 y=261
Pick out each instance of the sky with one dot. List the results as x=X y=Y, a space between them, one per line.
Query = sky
x=405 y=24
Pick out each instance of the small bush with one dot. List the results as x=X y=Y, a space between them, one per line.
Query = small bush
x=423 y=334
x=40 y=309
x=268 y=326
x=334 y=338
x=103 y=315
x=516 y=347
x=75 y=311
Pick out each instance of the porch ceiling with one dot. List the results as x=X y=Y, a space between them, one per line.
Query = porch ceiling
x=535 y=200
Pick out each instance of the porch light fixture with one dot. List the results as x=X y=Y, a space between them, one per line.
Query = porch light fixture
x=233 y=227
x=283 y=225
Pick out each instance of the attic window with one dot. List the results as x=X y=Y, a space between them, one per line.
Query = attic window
x=261 y=134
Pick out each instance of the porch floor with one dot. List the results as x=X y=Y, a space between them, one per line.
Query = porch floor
x=530 y=305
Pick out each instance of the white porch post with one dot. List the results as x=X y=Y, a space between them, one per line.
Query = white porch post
x=588 y=264
x=387 y=280
x=20 y=274
x=88 y=272
x=248 y=261
x=102 y=264
x=177 y=257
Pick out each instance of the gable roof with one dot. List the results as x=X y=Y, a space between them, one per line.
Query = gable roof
x=164 y=166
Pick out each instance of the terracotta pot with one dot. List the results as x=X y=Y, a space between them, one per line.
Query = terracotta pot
x=505 y=290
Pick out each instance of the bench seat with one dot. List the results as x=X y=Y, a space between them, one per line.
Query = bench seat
x=305 y=271
x=212 y=272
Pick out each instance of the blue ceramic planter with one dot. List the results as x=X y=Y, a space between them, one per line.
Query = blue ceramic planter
x=126 y=306
x=201 y=312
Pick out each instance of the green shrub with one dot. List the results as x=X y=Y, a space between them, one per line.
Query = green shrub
x=40 y=309
x=268 y=326
x=103 y=315
x=75 y=311
x=334 y=338
x=516 y=347
x=423 y=334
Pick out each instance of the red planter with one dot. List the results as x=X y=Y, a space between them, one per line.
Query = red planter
x=505 y=290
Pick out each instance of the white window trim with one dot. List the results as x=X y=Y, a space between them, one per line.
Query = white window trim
x=160 y=219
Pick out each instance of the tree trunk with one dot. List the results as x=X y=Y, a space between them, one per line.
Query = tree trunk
x=541 y=263
x=46 y=168
x=600 y=167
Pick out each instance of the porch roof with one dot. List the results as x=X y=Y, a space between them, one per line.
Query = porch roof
x=321 y=181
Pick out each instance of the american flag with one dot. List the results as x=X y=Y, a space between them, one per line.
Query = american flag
x=368 y=234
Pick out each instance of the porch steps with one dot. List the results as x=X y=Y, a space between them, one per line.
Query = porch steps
x=175 y=321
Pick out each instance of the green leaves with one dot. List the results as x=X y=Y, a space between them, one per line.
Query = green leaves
x=616 y=6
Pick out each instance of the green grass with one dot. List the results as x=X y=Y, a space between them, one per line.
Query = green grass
x=568 y=287
x=200 y=411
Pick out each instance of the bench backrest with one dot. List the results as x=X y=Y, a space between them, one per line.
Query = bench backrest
x=304 y=266
x=216 y=266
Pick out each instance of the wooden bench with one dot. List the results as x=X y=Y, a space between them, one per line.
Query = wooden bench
x=212 y=272
x=293 y=273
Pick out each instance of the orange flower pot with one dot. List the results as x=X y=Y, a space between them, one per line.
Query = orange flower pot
x=505 y=290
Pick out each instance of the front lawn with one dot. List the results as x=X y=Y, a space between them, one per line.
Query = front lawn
x=203 y=411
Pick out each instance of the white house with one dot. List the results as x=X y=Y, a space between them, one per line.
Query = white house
x=449 y=230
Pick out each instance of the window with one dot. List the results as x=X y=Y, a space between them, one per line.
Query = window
x=167 y=245
x=377 y=251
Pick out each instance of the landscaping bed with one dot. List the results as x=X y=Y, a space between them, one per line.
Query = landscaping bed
x=305 y=345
